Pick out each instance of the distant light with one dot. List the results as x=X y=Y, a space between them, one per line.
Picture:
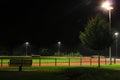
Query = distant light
x=107 y=5
x=26 y=43
x=116 y=33
x=59 y=42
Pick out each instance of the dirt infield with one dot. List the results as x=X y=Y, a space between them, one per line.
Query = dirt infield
x=85 y=61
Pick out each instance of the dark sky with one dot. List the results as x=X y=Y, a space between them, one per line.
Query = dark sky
x=45 y=22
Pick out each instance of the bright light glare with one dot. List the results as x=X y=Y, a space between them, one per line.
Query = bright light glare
x=26 y=43
x=116 y=33
x=107 y=5
x=59 y=42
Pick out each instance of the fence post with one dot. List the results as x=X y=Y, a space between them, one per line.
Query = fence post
x=114 y=60
x=80 y=61
x=90 y=61
x=105 y=60
x=55 y=61
x=39 y=61
x=1 y=62
x=69 y=61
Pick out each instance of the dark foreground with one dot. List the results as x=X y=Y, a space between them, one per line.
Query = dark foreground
x=66 y=74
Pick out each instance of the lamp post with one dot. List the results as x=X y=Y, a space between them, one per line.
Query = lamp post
x=108 y=6
x=116 y=39
x=26 y=44
x=59 y=44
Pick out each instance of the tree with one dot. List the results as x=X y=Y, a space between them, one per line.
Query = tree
x=4 y=51
x=97 y=35
x=44 y=52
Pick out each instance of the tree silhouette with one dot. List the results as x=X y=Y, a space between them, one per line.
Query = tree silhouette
x=97 y=35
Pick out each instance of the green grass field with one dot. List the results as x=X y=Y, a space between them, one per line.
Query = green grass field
x=57 y=60
x=46 y=59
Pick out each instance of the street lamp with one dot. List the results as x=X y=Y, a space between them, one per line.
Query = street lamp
x=116 y=38
x=26 y=44
x=108 y=6
x=59 y=44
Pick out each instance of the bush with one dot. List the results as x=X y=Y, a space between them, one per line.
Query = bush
x=75 y=54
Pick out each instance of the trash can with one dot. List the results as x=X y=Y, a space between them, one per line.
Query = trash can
x=20 y=68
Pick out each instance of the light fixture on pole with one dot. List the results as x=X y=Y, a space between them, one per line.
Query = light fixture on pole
x=59 y=44
x=108 y=6
x=26 y=44
x=116 y=39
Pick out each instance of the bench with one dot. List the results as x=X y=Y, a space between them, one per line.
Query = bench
x=20 y=62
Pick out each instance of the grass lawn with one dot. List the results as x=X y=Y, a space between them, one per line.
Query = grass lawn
x=57 y=60
x=107 y=72
x=4 y=60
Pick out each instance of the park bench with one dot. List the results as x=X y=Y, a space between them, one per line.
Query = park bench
x=20 y=63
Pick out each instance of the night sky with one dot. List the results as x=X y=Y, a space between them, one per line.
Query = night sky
x=45 y=22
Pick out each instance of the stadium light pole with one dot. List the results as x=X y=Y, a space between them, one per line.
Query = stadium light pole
x=108 y=6
x=116 y=39
x=26 y=44
x=59 y=44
